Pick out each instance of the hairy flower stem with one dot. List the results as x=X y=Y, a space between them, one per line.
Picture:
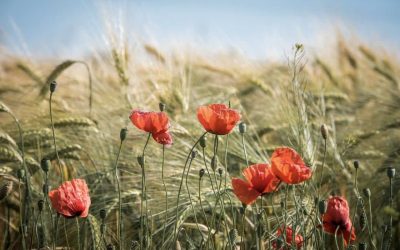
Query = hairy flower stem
x=54 y=139
x=34 y=228
x=243 y=226
x=143 y=195
x=65 y=232
x=208 y=172
x=180 y=187
x=56 y=229
x=190 y=198
x=336 y=241
x=119 y=223
x=245 y=151
x=322 y=170
x=201 y=205
x=78 y=232
x=166 y=193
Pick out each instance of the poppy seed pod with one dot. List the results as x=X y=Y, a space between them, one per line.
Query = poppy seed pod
x=324 y=131
x=220 y=171
x=21 y=173
x=242 y=127
x=322 y=207
x=214 y=162
x=367 y=192
x=45 y=165
x=391 y=172
x=362 y=246
x=53 y=86
x=123 y=133
x=201 y=173
x=141 y=160
x=193 y=154
x=162 y=106
x=103 y=214
x=40 y=205
x=203 y=141
x=356 y=164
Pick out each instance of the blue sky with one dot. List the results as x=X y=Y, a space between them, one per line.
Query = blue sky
x=259 y=29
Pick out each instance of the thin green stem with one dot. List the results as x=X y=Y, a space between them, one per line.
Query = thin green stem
x=322 y=169
x=54 y=139
x=143 y=194
x=245 y=151
x=78 y=232
x=166 y=193
x=180 y=187
x=336 y=241
x=119 y=224
x=242 y=246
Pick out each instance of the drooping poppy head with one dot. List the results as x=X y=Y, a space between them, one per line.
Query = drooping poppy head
x=298 y=239
x=259 y=180
x=151 y=122
x=71 y=199
x=218 y=119
x=288 y=166
x=164 y=138
x=337 y=219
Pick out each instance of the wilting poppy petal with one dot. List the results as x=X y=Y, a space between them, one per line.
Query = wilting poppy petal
x=289 y=167
x=164 y=138
x=218 y=118
x=245 y=193
x=337 y=218
x=289 y=238
x=71 y=198
x=151 y=122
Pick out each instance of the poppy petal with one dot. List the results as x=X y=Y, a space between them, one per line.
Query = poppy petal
x=163 y=138
x=218 y=118
x=288 y=166
x=244 y=191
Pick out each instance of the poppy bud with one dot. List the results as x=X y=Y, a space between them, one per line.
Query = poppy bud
x=233 y=236
x=356 y=164
x=242 y=127
x=322 y=207
x=110 y=247
x=123 y=133
x=363 y=220
x=220 y=171
x=53 y=86
x=103 y=214
x=161 y=106
x=391 y=172
x=367 y=192
x=193 y=154
x=45 y=189
x=45 y=165
x=141 y=160
x=102 y=228
x=214 y=162
x=5 y=190
x=278 y=243
x=203 y=141
x=201 y=173
x=324 y=131
x=40 y=205
x=362 y=246
x=21 y=173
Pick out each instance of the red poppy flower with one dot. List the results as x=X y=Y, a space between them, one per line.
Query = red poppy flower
x=163 y=138
x=151 y=122
x=298 y=239
x=288 y=166
x=259 y=180
x=71 y=198
x=337 y=217
x=217 y=118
